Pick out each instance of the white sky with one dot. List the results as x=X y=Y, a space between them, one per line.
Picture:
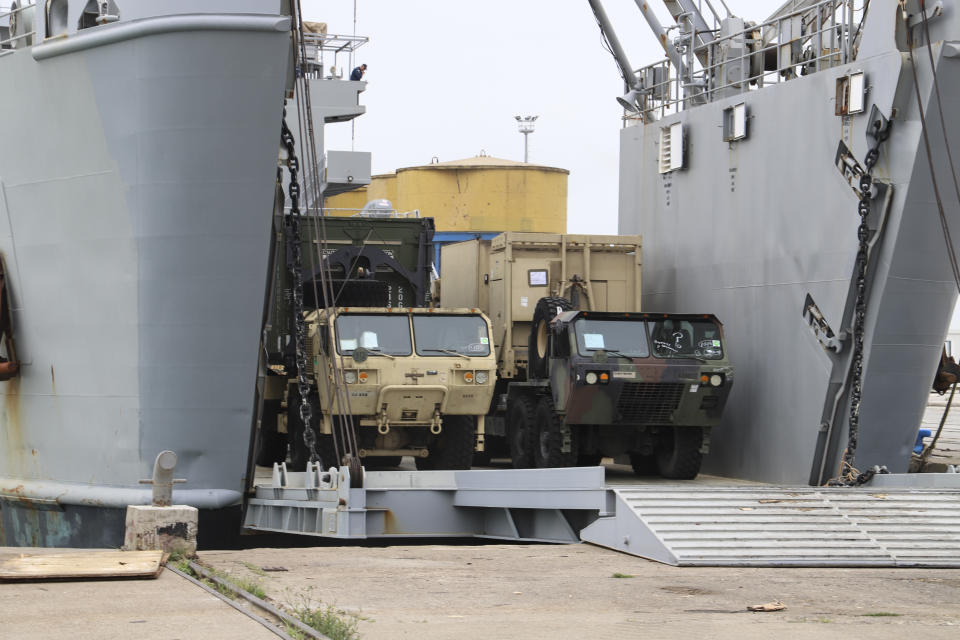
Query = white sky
x=447 y=77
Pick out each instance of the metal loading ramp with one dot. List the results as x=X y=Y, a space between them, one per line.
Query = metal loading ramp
x=684 y=525
x=799 y=527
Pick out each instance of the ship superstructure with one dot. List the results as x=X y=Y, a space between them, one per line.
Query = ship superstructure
x=742 y=164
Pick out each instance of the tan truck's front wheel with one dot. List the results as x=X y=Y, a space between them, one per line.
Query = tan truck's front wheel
x=453 y=447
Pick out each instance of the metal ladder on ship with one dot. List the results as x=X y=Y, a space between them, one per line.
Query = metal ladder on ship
x=682 y=525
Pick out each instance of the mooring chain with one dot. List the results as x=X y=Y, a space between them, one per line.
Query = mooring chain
x=295 y=265
x=848 y=474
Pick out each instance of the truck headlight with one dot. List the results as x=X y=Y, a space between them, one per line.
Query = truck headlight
x=350 y=377
x=716 y=380
x=481 y=377
x=591 y=377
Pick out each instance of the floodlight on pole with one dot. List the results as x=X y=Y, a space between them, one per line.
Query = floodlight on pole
x=525 y=125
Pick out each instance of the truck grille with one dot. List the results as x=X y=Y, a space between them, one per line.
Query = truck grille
x=649 y=402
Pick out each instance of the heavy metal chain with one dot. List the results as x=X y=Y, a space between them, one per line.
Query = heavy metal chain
x=295 y=266
x=880 y=133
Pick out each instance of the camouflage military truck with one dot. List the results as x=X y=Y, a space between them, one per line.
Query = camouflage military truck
x=581 y=374
x=647 y=387
x=417 y=382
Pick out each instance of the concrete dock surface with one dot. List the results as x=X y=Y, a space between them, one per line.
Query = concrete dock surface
x=167 y=607
x=438 y=591
x=434 y=591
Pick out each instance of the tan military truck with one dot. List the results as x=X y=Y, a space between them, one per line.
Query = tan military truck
x=582 y=373
x=417 y=382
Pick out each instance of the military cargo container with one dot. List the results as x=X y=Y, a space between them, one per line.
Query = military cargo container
x=582 y=372
x=507 y=275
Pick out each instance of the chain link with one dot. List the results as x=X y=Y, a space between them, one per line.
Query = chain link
x=848 y=473
x=295 y=266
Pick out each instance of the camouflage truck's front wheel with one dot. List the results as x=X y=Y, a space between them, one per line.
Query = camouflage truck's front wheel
x=679 y=456
x=549 y=450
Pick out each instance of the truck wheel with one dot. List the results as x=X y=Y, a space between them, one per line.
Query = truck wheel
x=680 y=457
x=326 y=450
x=453 y=448
x=481 y=458
x=271 y=446
x=537 y=356
x=589 y=459
x=548 y=451
x=644 y=465
x=521 y=432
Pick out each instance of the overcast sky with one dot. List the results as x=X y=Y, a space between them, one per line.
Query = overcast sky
x=447 y=77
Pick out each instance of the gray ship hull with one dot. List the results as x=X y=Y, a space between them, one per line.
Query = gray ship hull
x=749 y=229
x=136 y=192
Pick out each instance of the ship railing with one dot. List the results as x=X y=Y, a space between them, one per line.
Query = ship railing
x=10 y=17
x=324 y=47
x=817 y=37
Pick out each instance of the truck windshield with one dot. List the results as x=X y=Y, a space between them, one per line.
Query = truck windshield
x=378 y=334
x=674 y=338
x=619 y=337
x=438 y=335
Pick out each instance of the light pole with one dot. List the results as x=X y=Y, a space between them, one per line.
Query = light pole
x=525 y=124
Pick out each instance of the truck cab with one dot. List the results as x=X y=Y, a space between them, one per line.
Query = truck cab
x=412 y=381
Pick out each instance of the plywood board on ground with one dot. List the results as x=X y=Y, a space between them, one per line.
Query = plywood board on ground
x=80 y=565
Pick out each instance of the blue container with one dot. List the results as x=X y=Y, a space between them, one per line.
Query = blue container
x=441 y=238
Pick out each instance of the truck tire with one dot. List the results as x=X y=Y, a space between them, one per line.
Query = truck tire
x=521 y=431
x=537 y=356
x=589 y=459
x=679 y=457
x=548 y=450
x=481 y=458
x=453 y=448
x=644 y=465
x=271 y=445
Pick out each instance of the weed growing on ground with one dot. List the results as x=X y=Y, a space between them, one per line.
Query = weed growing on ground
x=327 y=619
x=253 y=587
x=882 y=614
x=623 y=575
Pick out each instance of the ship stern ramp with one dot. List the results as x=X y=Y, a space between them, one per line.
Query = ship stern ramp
x=689 y=524
x=756 y=231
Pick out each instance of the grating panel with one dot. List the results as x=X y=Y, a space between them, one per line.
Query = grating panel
x=796 y=527
x=649 y=402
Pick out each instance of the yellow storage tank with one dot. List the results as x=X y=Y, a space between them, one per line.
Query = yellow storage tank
x=486 y=194
x=347 y=203
x=476 y=194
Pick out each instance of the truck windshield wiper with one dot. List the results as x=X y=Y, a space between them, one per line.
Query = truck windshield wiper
x=613 y=351
x=379 y=352
x=449 y=352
